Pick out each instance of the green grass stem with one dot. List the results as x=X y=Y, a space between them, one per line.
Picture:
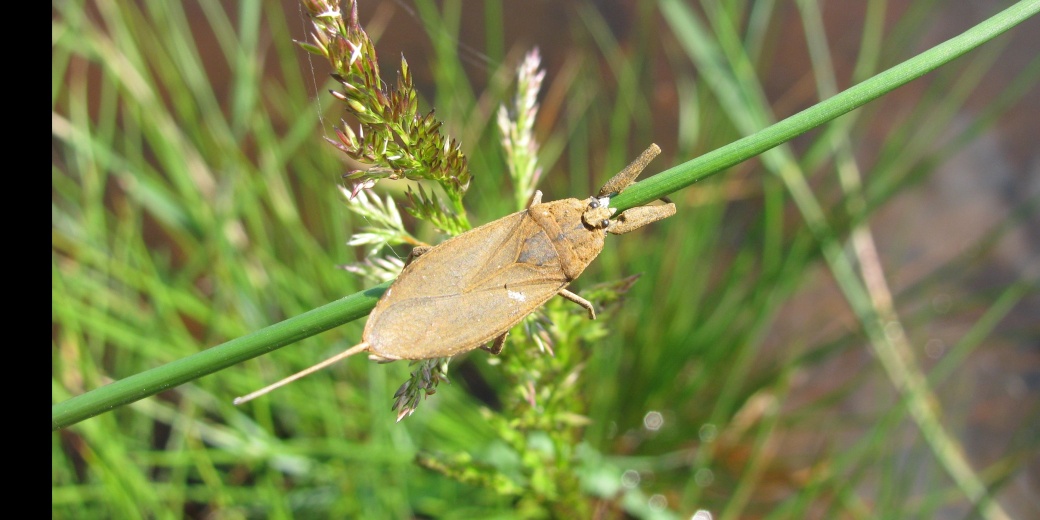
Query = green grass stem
x=687 y=173
x=167 y=376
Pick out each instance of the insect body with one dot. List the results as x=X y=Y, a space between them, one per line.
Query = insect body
x=471 y=289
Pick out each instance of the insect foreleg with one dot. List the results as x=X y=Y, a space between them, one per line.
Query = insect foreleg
x=619 y=182
x=580 y=301
x=639 y=216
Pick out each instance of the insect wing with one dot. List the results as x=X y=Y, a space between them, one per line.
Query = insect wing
x=466 y=291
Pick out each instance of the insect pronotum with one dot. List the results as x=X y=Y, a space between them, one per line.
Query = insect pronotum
x=491 y=277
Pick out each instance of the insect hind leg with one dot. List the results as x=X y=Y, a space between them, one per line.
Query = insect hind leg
x=580 y=301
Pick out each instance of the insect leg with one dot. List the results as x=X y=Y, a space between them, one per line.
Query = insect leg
x=496 y=346
x=639 y=216
x=580 y=301
x=416 y=252
x=619 y=182
x=360 y=347
x=382 y=359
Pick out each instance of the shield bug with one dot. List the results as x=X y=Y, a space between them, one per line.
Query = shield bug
x=471 y=289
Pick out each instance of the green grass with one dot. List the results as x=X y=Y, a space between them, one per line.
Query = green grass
x=194 y=203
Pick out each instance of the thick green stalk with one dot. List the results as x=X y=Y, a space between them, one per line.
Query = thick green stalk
x=360 y=304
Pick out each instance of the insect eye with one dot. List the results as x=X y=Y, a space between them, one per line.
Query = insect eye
x=604 y=223
x=594 y=204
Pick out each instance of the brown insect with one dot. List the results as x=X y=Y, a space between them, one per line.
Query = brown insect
x=471 y=289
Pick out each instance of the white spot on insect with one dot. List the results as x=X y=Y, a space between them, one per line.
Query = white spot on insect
x=516 y=295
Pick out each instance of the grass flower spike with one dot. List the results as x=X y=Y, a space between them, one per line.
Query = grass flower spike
x=393 y=140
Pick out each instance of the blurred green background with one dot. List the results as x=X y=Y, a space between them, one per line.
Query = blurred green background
x=194 y=200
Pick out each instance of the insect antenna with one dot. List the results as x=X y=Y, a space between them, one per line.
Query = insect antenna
x=360 y=347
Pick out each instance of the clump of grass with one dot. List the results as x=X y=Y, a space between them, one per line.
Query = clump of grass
x=394 y=140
